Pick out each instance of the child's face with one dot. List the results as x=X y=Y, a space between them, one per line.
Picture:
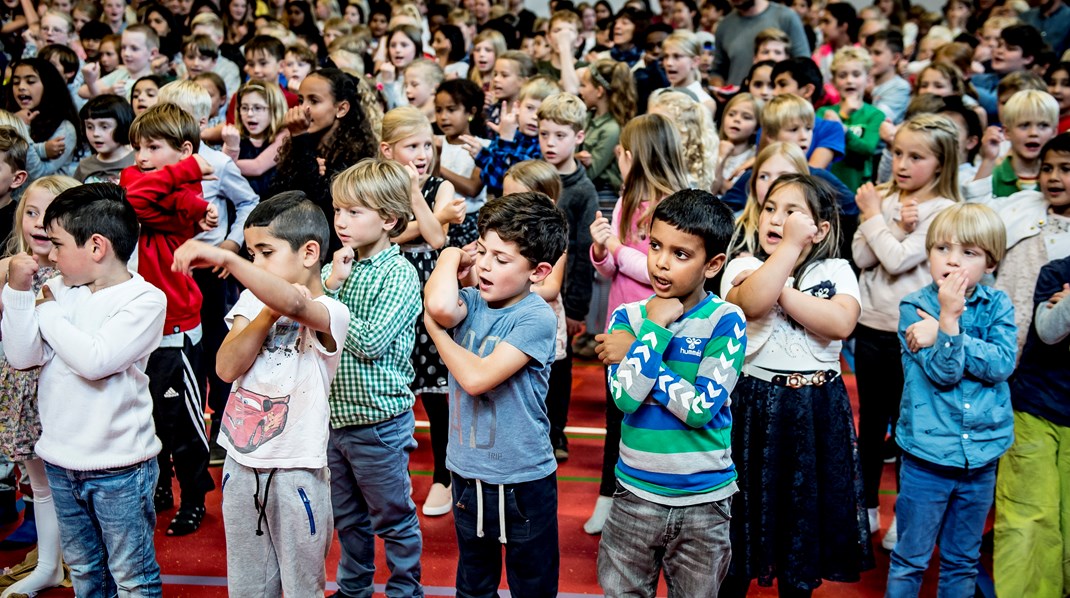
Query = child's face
x=540 y=48
x=91 y=47
x=73 y=260
x=527 y=46
x=418 y=90
x=27 y=87
x=483 y=55
x=108 y=57
x=358 y=226
x=145 y=95
x=914 y=165
x=506 y=81
x=776 y=209
x=213 y=92
x=154 y=154
x=588 y=92
x=135 y=51
x=416 y=150
x=761 y=83
x=772 y=50
x=1059 y=88
x=785 y=83
x=949 y=256
x=277 y=256
x=830 y=28
x=1055 y=181
x=558 y=142
x=62 y=6
x=442 y=45
x=934 y=82
x=331 y=34
x=883 y=59
x=528 y=118
x=504 y=274
x=197 y=64
x=114 y=10
x=1028 y=136
x=589 y=18
x=850 y=78
x=317 y=100
x=9 y=177
x=100 y=132
x=679 y=67
x=798 y=132
x=562 y=30
x=450 y=115
x=678 y=265
x=253 y=110
x=990 y=37
x=966 y=141
x=35 y=202
x=740 y=122
x=378 y=25
x=401 y=50
x=623 y=32
x=352 y=15
x=682 y=17
x=54 y=30
x=158 y=24
x=237 y=9
x=957 y=13
x=767 y=173
x=295 y=69
x=1007 y=58
x=262 y=65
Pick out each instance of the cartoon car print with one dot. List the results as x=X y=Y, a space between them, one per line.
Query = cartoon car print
x=251 y=419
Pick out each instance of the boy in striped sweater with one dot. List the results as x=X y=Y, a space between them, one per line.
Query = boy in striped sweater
x=674 y=359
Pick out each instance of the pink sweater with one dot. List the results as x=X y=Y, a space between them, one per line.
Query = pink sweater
x=626 y=267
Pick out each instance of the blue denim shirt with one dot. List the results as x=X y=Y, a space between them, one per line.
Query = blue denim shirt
x=956 y=408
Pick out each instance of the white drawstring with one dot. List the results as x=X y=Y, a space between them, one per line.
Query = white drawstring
x=501 y=511
x=479 y=509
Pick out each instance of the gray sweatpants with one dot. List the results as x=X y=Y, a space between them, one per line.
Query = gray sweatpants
x=298 y=526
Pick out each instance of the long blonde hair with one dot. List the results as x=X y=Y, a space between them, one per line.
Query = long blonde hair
x=657 y=169
x=54 y=184
x=697 y=134
x=403 y=122
x=745 y=237
x=942 y=139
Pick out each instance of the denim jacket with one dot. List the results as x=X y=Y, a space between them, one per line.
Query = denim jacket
x=956 y=408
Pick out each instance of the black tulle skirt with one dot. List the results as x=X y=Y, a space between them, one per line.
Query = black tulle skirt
x=798 y=516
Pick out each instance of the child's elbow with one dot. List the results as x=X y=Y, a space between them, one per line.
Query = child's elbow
x=226 y=374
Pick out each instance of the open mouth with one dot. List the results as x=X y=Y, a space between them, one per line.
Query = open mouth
x=484 y=284
x=42 y=239
x=773 y=238
x=659 y=283
x=1032 y=146
x=24 y=100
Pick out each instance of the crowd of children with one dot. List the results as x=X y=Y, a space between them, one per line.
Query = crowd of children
x=299 y=216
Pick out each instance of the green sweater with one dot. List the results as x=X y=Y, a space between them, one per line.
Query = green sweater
x=861 y=140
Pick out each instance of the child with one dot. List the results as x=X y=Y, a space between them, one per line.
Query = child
x=298 y=62
x=801 y=77
x=459 y=113
x=255 y=141
x=1018 y=48
x=793 y=431
x=608 y=90
x=888 y=248
x=108 y=57
x=212 y=26
x=1058 y=80
x=680 y=59
x=891 y=93
x=497 y=340
x=1030 y=119
x=652 y=164
x=487 y=47
x=772 y=44
x=861 y=121
x=564 y=40
x=13 y=151
x=140 y=45
x=697 y=134
x=512 y=70
x=759 y=81
x=1029 y=541
x=422 y=78
x=164 y=188
x=775 y=160
x=263 y=60
x=217 y=90
x=839 y=28
x=448 y=42
x=958 y=342
x=370 y=401
x=739 y=129
x=18 y=412
x=562 y=118
x=404 y=44
x=107 y=121
x=145 y=93
x=199 y=55
x=68 y=64
x=282 y=329
x=675 y=477
x=97 y=437
x=39 y=96
x=518 y=138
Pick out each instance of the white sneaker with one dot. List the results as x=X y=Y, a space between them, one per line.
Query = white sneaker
x=874 y=520
x=598 y=518
x=439 y=501
x=891 y=537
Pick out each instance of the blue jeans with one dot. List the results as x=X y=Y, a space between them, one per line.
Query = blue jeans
x=370 y=496
x=641 y=539
x=106 y=520
x=532 y=554
x=946 y=503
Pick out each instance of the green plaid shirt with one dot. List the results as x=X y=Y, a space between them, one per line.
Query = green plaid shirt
x=372 y=383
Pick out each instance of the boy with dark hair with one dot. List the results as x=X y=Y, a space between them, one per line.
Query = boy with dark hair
x=13 y=151
x=497 y=339
x=801 y=77
x=164 y=188
x=263 y=60
x=107 y=119
x=674 y=360
x=891 y=93
x=92 y=333
x=1017 y=50
x=281 y=354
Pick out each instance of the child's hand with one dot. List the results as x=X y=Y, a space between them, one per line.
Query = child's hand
x=742 y=277
x=206 y=168
x=387 y=72
x=724 y=150
x=20 y=271
x=46 y=296
x=800 y=229
x=922 y=334
x=231 y=137
x=341 y=267
x=868 y=200
x=489 y=99
x=197 y=254
x=952 y=295
x=851 y=103
x=161 y=65
x=91 y=72
x=465 y=261
x=584 y=158
x=211 y=218
x=54 y=148
x=908 y=216
x=471 y=144
x=990 y=143
x=564 y=40
x=297 y=120
x=26 y=115
x=321 y=163
x=663 y=311
x=510 y=121
x=457 y=210
x=415 y=187
x=612 y=348
x=1057 y=297
x=601 y=231
x=887 y=132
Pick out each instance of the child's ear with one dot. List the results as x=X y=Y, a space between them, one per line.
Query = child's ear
x=389 y=225
x=99 y=247
x=186 y=149
x=541 y=272
x=19 y=179
x=823 y=229
x=386 y=150
x=971 y=142
x=342 y=109
x=580 y=135
x=807 y=91
x=310 y=254
x=714 y=265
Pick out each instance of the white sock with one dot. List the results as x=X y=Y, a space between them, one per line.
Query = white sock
x=49 y=570
x=598 y=518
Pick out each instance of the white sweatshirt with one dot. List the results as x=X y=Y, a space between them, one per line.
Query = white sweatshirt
x=93 y=394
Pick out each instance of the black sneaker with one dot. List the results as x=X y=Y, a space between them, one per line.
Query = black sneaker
x=216 y=455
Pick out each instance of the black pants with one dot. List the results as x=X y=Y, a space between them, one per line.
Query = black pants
x=558 y=399
x=219 y=295
x=437 y=407
x=611 y=450
x=879 y=371
x=178 y=412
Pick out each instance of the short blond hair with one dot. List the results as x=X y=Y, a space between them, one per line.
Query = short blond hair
x=189 y=96
x=970 y=224
x=209 y=20
x=539 y=88
x=167 y=122
x=564 y=109
x=375 y=184
x=567 y=16
x=771 y=34
x=432 y=72
x=687 y=41
x=848 y=54
x=537 y=175
x=1031 y=104
x=783 y=110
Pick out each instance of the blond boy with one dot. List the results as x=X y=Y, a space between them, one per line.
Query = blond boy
x=861 y=121
x=140 y=46
x=1030 y=119
x=772 y=44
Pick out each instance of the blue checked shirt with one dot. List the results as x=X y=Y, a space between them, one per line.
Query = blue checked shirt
x=496 y=158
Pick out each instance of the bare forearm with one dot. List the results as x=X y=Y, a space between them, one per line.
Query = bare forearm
x=826 y=318
x=239 y=350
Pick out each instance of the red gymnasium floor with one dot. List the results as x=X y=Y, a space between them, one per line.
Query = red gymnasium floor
x=195 y=566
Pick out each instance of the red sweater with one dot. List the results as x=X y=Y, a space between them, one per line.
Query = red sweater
x=169 y=203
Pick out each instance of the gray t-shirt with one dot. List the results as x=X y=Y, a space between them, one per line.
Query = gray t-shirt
x=503 y=437
x=735 y=39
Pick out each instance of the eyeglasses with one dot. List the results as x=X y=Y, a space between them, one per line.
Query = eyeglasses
x=252 y=109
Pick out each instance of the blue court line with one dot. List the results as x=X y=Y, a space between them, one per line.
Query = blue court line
x=215 y=581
